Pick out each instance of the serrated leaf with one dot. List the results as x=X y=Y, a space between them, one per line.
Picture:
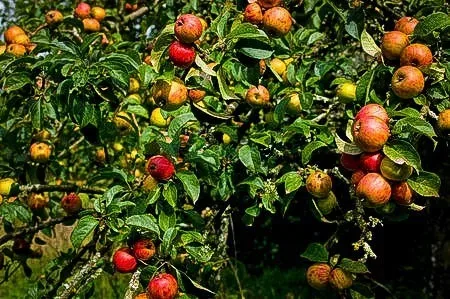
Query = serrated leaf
x=248 y=31
x=84 y=228
x=425 y=184
x=200 y=253
x=162 y=42
x=170 y=194
x=346 y=147
x=250 y=158
x=225 y=91
x=190 y=183
x=204 y=67
x=401 y=151
x=364 y=85
x=433 y=22
x=316 y=252
x=309 y=149
x=254 y=48
x=144 y=222
x=178 y=123
x=292 y=181
x=414 y=124
x=353 y=266
x=369 y=45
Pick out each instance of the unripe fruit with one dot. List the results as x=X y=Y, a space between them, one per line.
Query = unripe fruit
x=83 y=10
x=269 y=3
x=317 y=276
x=370 y=134
x=91 y=25
x=117 y=146
x=149 y=184
x=278 y=66
x=133 y=86
x=181 y=54
x=71 y=203
x=16 y=50
x=42 y=135
x=98 y=13
x=37 y=201
x=340 y=279
x=196 y=95
x=226 y=139
x=40 y=152
x=374 y=188
x=402 y=194
x=277 y=21
x=12 y=32
x=417 y=55
x=257 y=96
x=160 y=168
x=294 y=106
x=53 y=17
x=2 y=49
x=346 y=92
x=393 y=171
x=21 y=39
x=319 y=184
x=188 y=28
x=253 y=13
x=443 y=122
x=173 y=94
x=350 y=162
x=406 y=25
x=21 y=246
x=326 y=205
x=374 y=110
x=122 y=121
x=162 y=286
x=124 y=261
x=144 y=249
x=157 y=119
x=8 y=187
x=357 y=176
x=407 y=82
x=393 y=43
x=371 y=162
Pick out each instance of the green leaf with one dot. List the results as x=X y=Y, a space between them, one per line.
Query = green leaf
x=292 y=181
x=168 y=238
x=84 y=227
x=345 y=147
x=204 y=67
x=170 y=194
x=316 y=252
x=425 y=183
x=248 y=31
x=144 y=222
x=364 y=85
x=309 y=149
x=36 y=114
x=225 y=91
x=178 y=123
x=111 y=193
x=250 y=158
x=16 y=81
x=414 y=124
x=167 y=221
x=191 y=236
x=401 y=151
x=369 y=45
x=433 y=22
x=201 y=254
x=254 y=48
x=162 y=42
x=353 y=266
x=138 y=110
x=190 y=183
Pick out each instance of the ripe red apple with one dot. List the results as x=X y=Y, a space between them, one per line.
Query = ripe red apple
x=393 y=171
x=277 y=21
x=393 y=43
x=371 y=162
x=406 y=25
x=269 y=3
x=318 y=275
x=257 y=96
x=71 y=203
x=160 y=168
x=253 y=13
x=402 y=194
x=374 y=110
x=53 y=17
x=83 y=10
x=417 y=55
x=374 y=188
x=319 y=184
x=370 y=134
x=181 y=55
x=357 y=176
x=407 y=82
x=443 y=122
x=340 y=279
x=144 y=249
x=188 y=28
x=162 y=286
x=124 y=261
x=350 y=162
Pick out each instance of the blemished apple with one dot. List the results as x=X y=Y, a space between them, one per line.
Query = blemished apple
x=407 y=82
x=443 y=122
x=319 y=184
x=188 y=28
x=318 y=276
x=393 y=43
x=406 y=25
x=370 y=134
x=277 y=21
x=162 y=286
x=374 y=110
x=253 y=13
x=257 y=96
x=374 y=188
x=417 y=55
x=53 y=17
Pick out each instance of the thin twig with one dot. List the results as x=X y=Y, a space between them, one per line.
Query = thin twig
x=136 y=14
x=61 y=188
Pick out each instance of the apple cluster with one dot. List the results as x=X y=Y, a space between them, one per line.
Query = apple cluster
x=275 y=20
x=319 y=185
x=125 y=260
x=17 y=42
x=408 y=80
x=320 y=276
x=188 y=29
x=91 y=17
x=377 y=178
